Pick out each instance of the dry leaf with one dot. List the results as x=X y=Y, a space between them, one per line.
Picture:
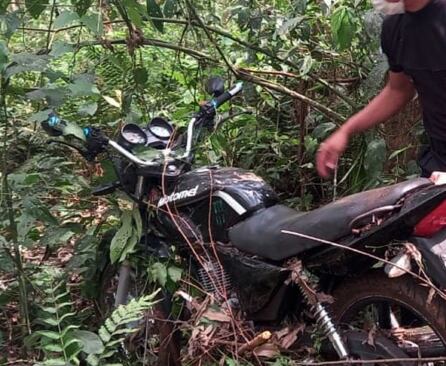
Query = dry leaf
x=267 y=350
x=217 y=316
x=290 y=338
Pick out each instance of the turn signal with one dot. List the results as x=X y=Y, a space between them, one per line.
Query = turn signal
x=432 y=223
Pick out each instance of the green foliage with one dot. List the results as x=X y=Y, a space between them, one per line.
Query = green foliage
x=58 y=340
x=343 y=27
x=126 y=238
x=116 y=328
x=75 y=61
x=154 y=10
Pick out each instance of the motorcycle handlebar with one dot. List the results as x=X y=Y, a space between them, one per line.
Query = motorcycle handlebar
x=97 y=141
x=217 y=102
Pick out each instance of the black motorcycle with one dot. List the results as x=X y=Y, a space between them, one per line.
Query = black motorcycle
x=379 y=255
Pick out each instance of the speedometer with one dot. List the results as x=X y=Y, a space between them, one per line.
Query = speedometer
x=160 y=128
x=132 y=135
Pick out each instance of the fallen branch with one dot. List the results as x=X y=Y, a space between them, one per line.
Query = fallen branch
x=258 y=340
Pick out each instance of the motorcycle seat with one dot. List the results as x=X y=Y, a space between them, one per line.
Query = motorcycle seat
x=261 y=234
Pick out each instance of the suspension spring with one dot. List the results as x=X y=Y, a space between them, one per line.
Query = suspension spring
x=323 y=320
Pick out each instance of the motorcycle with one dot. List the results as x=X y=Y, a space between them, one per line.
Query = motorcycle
x=367 y=253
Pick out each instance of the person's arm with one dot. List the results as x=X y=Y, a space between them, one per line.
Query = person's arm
x=398 y=91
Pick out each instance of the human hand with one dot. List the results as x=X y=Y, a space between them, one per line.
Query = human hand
x=330 y=151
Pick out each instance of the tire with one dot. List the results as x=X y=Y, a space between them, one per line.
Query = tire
x=404 y=292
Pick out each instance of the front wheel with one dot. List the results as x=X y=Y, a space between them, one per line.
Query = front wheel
x=398 y=309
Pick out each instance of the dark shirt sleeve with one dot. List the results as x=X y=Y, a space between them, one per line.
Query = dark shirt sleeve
x=388 y=44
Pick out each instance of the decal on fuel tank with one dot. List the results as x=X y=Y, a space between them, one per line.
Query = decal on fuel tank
x=188 y=193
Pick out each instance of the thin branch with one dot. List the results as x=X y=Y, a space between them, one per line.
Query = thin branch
x=239 y=72
x=379 y=259
x=211 y=39
x=151 y=42
x=228 y=35
x=284 y=90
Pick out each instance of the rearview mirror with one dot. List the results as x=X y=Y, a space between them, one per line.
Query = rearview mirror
x=215 y=86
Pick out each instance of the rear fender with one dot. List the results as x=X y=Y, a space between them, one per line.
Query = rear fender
x=433 y=251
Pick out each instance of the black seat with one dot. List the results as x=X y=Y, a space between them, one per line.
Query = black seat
x=261 y=233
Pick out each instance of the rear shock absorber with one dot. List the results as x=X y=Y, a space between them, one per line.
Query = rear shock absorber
x=323 y=319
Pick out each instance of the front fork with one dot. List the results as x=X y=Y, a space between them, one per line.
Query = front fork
x=125 y=270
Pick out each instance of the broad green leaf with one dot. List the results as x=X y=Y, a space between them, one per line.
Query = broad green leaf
x=40 y=116
x=174 y=273
x=154 y=10
x=36 y=7
x=94 y=23
x=72 y=129
x=65 y=18
x=88 y=109
x=135 y=11
x=343 y=27
x=91 y=343
x=83 y=87
x=53 y=96
x=129 y=247
x=158 y=273
x=141 y=75
x=81 y=6
x=121 y=237
x=60 y=48
x=24 y=62
x=170 y=8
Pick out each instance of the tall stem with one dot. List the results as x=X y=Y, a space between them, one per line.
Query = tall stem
x=6 y=201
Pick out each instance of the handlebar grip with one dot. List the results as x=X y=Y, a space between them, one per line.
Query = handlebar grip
x=53 y=126
x=217 y=102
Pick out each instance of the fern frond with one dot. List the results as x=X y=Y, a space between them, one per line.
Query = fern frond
x=118 y=325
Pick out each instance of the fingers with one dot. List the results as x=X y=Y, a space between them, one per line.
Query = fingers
x=326 y=161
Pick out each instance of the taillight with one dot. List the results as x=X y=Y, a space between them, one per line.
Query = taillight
x=432 y=223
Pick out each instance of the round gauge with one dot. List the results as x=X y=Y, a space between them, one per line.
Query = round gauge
x=160 y=128
x=133 y=134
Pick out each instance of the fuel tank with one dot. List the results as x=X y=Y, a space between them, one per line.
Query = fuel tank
x=205 y=202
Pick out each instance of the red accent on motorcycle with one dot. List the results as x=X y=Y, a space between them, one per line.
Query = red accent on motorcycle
x=432 y=223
